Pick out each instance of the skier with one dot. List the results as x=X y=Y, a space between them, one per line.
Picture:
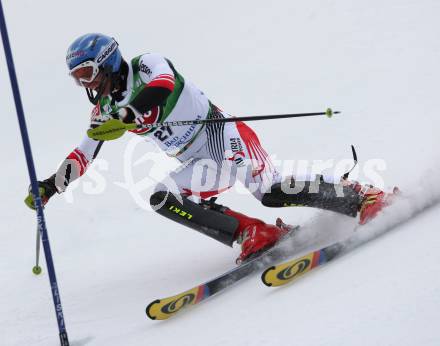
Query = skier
x=149 y=89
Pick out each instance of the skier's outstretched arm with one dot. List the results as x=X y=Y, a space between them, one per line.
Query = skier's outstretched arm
x=74 y=166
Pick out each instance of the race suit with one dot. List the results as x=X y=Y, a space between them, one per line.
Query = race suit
x=223 y=151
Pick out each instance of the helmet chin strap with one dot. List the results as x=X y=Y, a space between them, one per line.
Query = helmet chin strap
x=107 y=76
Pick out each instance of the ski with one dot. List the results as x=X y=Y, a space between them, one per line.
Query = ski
x=283 y=273
x=162 y=309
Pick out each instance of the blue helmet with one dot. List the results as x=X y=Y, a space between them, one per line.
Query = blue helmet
x=99 y=48
x=101 y=53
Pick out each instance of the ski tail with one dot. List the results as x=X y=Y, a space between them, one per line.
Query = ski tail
x=283 y=273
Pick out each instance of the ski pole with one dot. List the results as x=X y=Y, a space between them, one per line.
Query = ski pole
x=33 y=178
x=37 y=269
x=114 y=128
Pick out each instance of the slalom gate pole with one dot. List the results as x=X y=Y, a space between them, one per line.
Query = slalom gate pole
x=31 y=168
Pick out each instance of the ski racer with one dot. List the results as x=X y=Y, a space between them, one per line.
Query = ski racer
x=149 y=89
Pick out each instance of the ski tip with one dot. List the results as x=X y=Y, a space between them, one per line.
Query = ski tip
x=162 y=309
x=148 y=309
x=264 y=275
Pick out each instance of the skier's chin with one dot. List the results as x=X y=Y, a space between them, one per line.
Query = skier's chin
x=107 y=90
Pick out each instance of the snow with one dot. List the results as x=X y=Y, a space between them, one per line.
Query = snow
x=375 y=61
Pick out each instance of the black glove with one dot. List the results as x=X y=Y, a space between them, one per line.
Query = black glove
x=126 y=115
x=46 y=188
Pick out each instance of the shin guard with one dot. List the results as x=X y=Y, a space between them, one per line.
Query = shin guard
x=199 y=217
x=317 y=194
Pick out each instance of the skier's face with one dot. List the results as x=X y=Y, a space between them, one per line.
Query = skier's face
x=84 y=74
x=97 y=82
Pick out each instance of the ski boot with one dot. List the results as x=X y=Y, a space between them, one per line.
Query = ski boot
x=373 y=201
x=255 y=236
x=252 y=234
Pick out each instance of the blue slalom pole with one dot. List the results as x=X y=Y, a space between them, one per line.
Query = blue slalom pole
x=30 y=163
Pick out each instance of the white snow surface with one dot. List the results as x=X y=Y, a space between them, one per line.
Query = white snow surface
x=375 y=61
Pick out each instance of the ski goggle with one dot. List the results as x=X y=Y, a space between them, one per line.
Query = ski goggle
x=85 y=72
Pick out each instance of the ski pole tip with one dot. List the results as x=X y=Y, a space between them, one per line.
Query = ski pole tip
x=329 y=112
x=36 y=270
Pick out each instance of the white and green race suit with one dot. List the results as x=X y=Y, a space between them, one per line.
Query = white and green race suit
x=232 y=147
